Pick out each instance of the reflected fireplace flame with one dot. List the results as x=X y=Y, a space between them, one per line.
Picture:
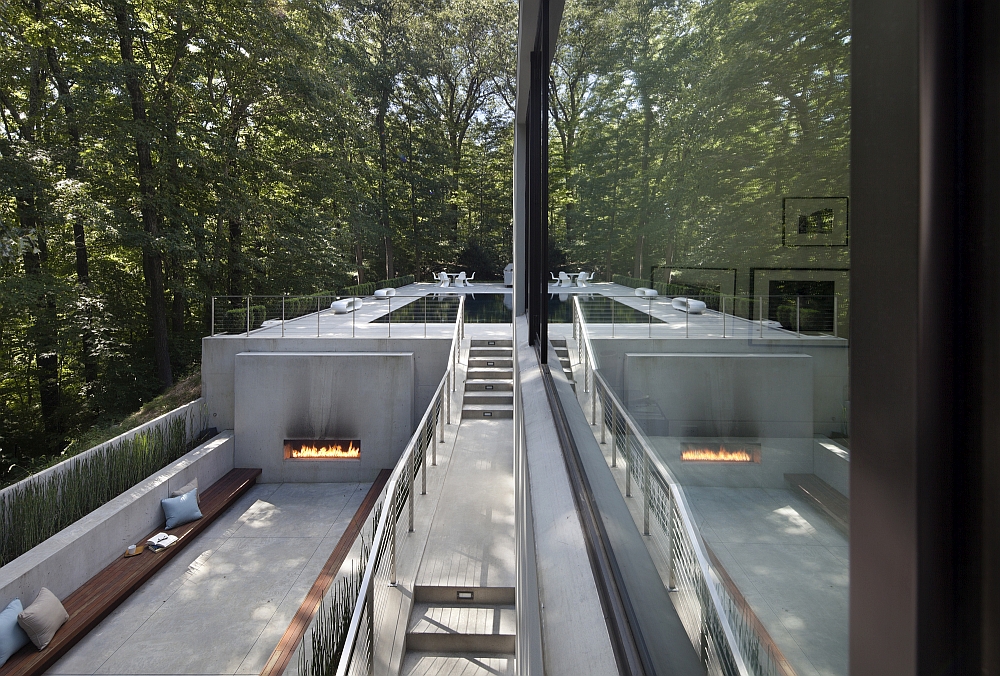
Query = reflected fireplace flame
x=721 y=454
x=332 y=450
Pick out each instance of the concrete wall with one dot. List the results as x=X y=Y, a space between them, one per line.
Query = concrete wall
x=75 y=554
x=218 y=365
x=331 y=395
x=829 y=366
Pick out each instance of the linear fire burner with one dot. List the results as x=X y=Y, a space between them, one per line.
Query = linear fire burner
x=322 y=449
x=720 y=452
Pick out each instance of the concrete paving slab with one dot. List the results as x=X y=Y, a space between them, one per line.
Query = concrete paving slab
x=221 y=606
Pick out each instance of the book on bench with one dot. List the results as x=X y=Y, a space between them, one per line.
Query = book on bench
x=160 y=541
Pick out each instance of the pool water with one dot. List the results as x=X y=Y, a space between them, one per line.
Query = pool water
x=494 y=308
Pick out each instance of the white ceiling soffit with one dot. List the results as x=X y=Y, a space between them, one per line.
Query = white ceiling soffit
x=527 y=25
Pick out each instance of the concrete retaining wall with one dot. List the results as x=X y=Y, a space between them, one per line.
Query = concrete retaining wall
x=75 y=554
x=194 y=413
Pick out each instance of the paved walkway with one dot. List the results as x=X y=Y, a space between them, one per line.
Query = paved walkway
x=471 y=541
x=223 y=603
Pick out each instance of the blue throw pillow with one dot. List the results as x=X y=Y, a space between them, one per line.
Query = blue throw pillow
x=12 y=637
x=181 y=510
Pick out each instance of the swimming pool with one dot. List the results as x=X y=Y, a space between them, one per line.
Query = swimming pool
x=495 y=308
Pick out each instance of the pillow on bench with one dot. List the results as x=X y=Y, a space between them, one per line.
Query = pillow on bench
x=42 y=619
x=181 y=510
x=12 y=637
x=187 y=488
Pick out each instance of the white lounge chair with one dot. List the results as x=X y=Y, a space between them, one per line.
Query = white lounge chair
x=443 y=278
x=508 y=275
x=468 y=282
x=385 y=293
x=565 y=280
x=646 y=293
x=554 y=278
x=345 y=305
x=461 y=279
x=582 y=279
x=689 y=305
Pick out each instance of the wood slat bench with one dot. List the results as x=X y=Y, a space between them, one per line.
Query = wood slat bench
x=104 y=592
x=828 y=499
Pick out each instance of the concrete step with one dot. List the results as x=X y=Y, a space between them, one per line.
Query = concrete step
x=489 y=374
x=558 y=343
x=489 y=399
x=461 y=628
x=490 y=362
x=492 y=343
x=429 y=664
x=489 y=386
x=490 y=352
x=491 y=411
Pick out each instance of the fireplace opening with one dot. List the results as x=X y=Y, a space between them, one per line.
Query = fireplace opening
x=720 y=452
x=322 y=449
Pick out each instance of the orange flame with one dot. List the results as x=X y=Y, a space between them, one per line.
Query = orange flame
x=720 y=455
x=333 y=450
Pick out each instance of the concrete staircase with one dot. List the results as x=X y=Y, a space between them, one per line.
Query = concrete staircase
x=562 y=351
x=489 y=380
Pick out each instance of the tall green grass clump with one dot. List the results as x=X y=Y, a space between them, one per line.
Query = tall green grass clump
x=36 y=509
x=333 y=619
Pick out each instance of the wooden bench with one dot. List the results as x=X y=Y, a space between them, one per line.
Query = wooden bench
x=100 y=595
x=825 y=497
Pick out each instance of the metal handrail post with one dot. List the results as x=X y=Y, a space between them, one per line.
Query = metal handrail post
x=423 y=463
x=722 y=299
x=671 y=573
x=434 y=445
x=687 y=317
x=317 y=316
x=835 y=317
x=392 y=550
x=411 y=475
x=760 y=301
x=213 y=315
x=649 y=314
x=388 y=316
x=614 y=433
x=282 y=316
x=441 y=415
x=628 y=461
x=612 y=316
x=603 y=404
x=586 y=366
x=593 y=405
x=248 y=316
x=645 y=492
x=798 y=312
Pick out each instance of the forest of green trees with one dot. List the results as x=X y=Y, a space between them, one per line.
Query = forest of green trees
x=154 y=153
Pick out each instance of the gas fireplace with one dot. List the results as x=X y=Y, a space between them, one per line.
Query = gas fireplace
x=322 y=449
x=720 y=452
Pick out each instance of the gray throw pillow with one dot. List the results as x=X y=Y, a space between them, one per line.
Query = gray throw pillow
x=187 y=488
x=42 y=619
x=181 y=510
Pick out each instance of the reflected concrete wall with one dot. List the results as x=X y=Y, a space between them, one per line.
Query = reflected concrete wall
x=288 y=395
x=829 y=366
x=725 y=397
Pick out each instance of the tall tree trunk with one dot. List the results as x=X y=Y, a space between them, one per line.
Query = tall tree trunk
x=640 y=236
x=235 y=266
x=383 y=197
x=64 y=88
x=152 y=263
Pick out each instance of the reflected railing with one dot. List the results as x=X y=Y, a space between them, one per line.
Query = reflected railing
x=361 y=638
x=615 y=314
x=726 y=635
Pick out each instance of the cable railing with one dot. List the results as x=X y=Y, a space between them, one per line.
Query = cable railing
x=333 y=315
x=722 y=629
x=362 y=637
x=784 y=316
